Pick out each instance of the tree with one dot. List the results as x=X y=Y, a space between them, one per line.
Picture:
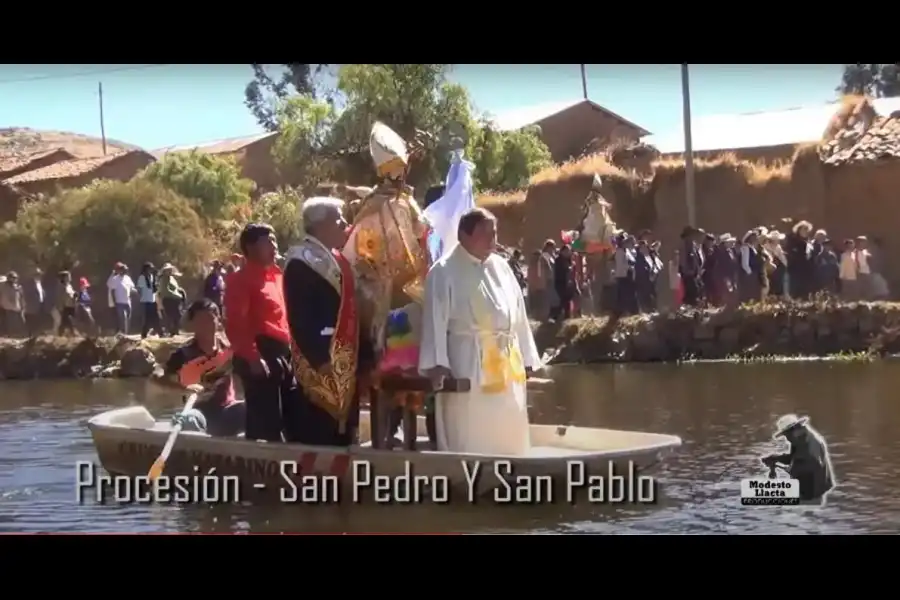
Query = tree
x=303 y=148
x=281 y=210
x=213 y=183
x=878 y=80
x=316 y=143
x=506 y=160
x=92 y=227
x=262 y=94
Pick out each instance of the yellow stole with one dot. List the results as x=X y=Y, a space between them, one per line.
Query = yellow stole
x=501 y=359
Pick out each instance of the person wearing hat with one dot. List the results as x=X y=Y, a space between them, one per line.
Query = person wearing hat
x=723 y=269
x=691 y=264
x=752 y=268
x=120 y=288
x=172 y=296
x=147 y=287
x=776 y=263
x=800 y=260
x=828 y=268
x=808 y=460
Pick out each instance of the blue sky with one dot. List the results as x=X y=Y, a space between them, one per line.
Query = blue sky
x=156 y=106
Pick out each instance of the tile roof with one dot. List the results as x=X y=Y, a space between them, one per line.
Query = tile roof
x=862 y=141
x=19 y=161
x=67 y=168
x=224 y=146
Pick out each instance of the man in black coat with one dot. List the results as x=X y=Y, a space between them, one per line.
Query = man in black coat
x=332 y=355
x=808 y=461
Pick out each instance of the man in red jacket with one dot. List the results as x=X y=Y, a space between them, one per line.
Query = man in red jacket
x=257 y=328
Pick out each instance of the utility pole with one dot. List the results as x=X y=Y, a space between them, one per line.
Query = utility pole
x=688 y=148
x=102 y=126
x=583 y=83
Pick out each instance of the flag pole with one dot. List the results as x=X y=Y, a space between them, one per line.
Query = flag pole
x=689 y=196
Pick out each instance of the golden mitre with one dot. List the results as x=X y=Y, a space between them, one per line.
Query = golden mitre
x=388 y=151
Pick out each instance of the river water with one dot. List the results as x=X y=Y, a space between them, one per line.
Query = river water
x=723 y=412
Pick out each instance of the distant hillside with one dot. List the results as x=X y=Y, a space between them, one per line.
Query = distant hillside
x=17 y=141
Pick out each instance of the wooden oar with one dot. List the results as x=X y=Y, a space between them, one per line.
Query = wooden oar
x=160 y=463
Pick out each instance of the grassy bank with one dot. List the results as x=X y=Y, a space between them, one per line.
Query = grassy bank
x=756 y=333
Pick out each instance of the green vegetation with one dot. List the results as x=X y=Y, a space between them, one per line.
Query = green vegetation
x=188 y=207
x=418 y=101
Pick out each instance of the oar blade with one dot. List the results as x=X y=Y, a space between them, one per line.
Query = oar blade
x=157 y=469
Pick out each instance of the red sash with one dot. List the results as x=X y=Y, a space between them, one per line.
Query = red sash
x=333 y=392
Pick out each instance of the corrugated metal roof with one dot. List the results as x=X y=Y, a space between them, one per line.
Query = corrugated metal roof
x=751 y=130
x=224 y=146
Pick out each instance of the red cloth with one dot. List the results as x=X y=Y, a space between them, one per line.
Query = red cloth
x=679 y=293
x=254 y=305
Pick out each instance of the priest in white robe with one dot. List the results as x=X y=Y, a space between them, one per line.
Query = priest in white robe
x=475 y=327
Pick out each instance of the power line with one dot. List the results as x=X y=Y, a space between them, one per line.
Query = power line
x=80 y=74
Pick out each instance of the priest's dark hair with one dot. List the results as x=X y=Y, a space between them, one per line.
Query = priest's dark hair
x=471 y=219
x=252 y=233
x=202 y=305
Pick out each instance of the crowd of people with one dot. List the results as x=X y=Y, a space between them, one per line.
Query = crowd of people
x=152 y=303
x=705 y=270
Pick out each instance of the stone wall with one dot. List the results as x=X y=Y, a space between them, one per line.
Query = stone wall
x=789 y=329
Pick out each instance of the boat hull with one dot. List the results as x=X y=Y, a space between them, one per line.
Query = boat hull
x=129 y=440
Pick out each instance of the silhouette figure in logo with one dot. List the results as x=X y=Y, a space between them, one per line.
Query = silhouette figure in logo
x=808 y=461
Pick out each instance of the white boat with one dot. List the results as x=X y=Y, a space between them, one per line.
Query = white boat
x=128 y=440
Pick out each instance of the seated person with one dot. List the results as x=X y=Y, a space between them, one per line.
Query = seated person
x=203 y=365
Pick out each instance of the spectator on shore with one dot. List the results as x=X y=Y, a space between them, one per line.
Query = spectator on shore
x=564 y=284
x=537 y=294
x=864 y=269
x=752 y=264
x=148 y=287
x=84 y=314
x=848 y=272
x=214 y=284
x=778 y=264
x=828 y=269
x=173 y=298
x=800 y=260
x=548 y=257
x=690 y=266
x=646 y=272
x=65 y=304
x=12 y=304
x=121 y=287
x=35 y=303
x=624 y=271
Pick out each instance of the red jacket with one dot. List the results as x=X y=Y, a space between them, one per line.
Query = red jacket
x=254 y=305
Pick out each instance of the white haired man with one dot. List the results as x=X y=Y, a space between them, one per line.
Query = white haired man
x=332 y=354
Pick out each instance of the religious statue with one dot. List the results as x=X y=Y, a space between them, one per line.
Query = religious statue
x=597 y=226
x=387 y=246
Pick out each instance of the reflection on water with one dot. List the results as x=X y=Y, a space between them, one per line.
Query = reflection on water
x=724 y=413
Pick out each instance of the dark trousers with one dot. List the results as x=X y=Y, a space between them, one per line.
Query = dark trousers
x=66 y=321
x=271 y=400
x=691 y=290
x=151 y=319
x=35 y=323
x=172 y=311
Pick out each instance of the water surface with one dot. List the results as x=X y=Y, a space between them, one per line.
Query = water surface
x=723 y=412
